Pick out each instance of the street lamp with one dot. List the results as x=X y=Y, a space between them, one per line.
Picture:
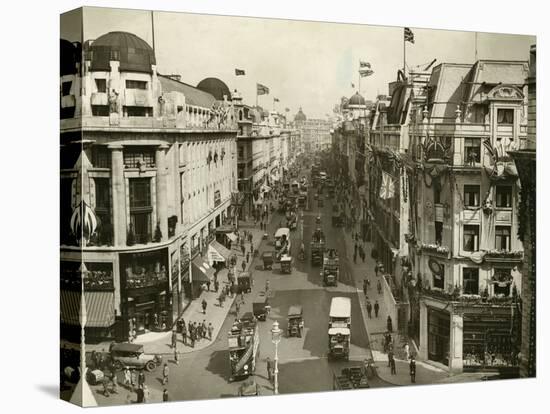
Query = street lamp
x=276 y=338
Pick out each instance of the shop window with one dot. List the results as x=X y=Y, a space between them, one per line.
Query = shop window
x=100 y=110
x=504 y=196
x=141 y=209
x=135 y=84
x=470 y=280
x=472 y=150
x=502 y=238
x=139 y=157
x=471 y=238
x=101 y=85
x=471 y=196
x=505 y=116
x=439 y=232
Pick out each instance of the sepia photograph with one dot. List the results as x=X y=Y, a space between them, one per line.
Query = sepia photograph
x=252 y=206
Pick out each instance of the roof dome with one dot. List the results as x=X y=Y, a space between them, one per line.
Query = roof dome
x=215 y=87
x=133 y=53
x=300 y=116
x=357 y=100
x=69 y=54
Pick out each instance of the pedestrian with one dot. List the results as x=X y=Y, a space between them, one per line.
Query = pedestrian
x=146 y=394
x=165 y=371
x=208 y=285
x=376 y=268
x=407 y=350
x=389 y=324
x=376 y=309
x=242 y=249
x=204 y=304
x=362 y=253
x=128 y=378
x=355 y=257
x=140 y=395
x=269 y=369
x=379 y=286
x=141 y=379
x=165 y=395
x=192 y=338
x=176 y=359
x=365 y=287
x=174 y=337
x=390 y=356
x=392 y=366
x=369 y=309
x=216 y=285
x=210 y=330
x=243 y=264
x=412 y=369
x=247 y=257
x=237 y=309
x=242 y=296
x=266 y=286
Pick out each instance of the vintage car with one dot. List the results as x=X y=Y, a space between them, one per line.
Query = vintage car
x=249 y=388
x=261 y=308
x=295 y=321
x=286 y=264
x=244 y=282
x=267 y=258
x=133 y=356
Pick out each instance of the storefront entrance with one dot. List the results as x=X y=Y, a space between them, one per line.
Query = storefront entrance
x=439 y=323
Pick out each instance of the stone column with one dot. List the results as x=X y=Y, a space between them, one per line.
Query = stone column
x=120 y=227
x=162 y=190
x=455 y=345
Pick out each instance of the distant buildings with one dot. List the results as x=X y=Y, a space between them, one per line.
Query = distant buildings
x=149 y=183
x=315 y=133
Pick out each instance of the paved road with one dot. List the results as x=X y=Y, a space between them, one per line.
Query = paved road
x=303 y=363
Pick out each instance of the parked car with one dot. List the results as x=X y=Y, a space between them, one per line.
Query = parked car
x=133 y=356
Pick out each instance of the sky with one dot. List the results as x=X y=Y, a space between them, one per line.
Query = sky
x=304 y=64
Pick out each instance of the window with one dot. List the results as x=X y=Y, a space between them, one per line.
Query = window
x=505 y=116
x=103 y=210
x=139 y=156
x=241 y=152
x=138 y=111
x=503 y=281
x=66 y=88
x=471 y=196
x=504 y=196
x=101 y=157
x=471 y=238
x=101 y=85
x=140 y=209
x=439 y=232
x=100 y=110
x=437 y=191
x=502 y=238
x=472 y=150
x=470 y=280
x=135 y=84
x=439 y=279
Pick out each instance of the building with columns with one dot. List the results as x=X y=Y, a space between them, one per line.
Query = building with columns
x=315 y=133
x=148 y=169
x=465 y=282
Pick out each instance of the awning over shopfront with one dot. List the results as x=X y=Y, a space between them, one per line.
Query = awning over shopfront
x=202 y=271
x=232 y=236
x=217 y=253
x=224 y=229
x=100 y=308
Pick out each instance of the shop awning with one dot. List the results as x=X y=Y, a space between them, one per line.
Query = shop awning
x=217 y=253
x=100 y=308
x=224 y=229
x=232 y=236
x=202 y=271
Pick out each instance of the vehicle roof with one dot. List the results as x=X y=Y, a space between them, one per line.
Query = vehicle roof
x=295 y=310
x=282 y=231
x=243 y=274
x=286 y=258
x=340 y=307
x=336 y=331
x=127 y=347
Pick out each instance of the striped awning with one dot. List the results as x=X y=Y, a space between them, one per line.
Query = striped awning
x=100 y=308
x=202 y=271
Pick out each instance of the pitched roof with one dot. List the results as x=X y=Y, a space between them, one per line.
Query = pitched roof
x=446 y=89
x=193 y=96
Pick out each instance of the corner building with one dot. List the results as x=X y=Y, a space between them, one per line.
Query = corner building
x=148 y=169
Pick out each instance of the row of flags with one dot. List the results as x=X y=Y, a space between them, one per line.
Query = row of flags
x=260 y=89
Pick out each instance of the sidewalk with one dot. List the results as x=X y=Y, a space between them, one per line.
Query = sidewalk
x=376 y=327
x=160 y=342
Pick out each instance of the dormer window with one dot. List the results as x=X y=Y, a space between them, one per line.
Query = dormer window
x=505 y=116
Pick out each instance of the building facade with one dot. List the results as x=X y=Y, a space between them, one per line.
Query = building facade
x=149 y=166
x=315 y=133
x=466 y=260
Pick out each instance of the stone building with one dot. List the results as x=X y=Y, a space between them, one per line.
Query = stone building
x=315 y=133
x=148 y=168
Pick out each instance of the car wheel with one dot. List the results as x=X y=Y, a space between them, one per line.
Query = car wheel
x=150 y=366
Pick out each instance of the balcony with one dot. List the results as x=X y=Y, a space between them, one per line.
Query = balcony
x=459 y=299
x=503 y=256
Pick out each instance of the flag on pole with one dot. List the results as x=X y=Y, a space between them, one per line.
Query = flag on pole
x=363 y=64
x=408 y=35
x=261 y=89
x=239 y=72
x=366 y=72
x=387 y=189
x=275 y=99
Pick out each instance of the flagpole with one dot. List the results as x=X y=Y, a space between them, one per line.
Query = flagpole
x=404 y=55
x=256 y=94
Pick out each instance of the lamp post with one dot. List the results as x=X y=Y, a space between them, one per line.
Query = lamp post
x=276 y=338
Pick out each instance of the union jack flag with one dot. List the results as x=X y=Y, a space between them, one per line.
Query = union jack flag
x=387 y=189
x=408 y=35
